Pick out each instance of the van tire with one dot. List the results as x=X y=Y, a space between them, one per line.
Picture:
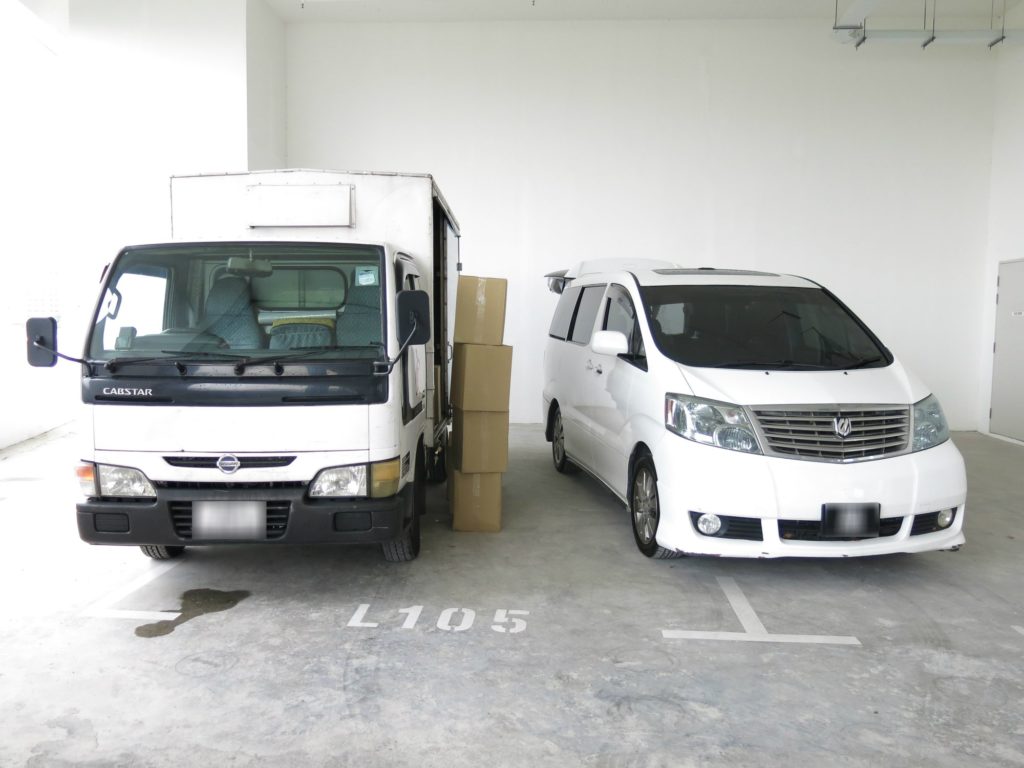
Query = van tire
x=645 y=509
x=162 y=552
x=558 y=456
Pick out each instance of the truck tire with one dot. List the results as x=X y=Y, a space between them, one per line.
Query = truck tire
x=436 y=463
x=406 y=547
x=161 y=552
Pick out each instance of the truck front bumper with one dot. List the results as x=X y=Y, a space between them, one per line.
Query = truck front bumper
x=292 y=518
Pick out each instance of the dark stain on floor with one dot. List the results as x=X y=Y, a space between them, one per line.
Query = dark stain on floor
x=194 y=603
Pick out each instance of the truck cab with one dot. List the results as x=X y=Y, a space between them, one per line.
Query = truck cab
x=268 y=375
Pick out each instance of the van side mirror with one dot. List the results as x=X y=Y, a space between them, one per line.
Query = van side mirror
x=413 y=317
x=41 y=333
x=610 y=343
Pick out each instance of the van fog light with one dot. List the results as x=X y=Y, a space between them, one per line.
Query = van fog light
x=709 y=524
x=945 y=518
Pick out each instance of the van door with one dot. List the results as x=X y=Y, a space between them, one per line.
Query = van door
x=614 y=377
x=578 y=386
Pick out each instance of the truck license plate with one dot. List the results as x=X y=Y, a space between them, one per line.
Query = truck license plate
x=229 y=520
x=850 y=521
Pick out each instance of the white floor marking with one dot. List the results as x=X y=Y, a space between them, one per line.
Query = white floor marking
x=101 y=608
x=1019 y=629
x=744 y=611
x=753 y=630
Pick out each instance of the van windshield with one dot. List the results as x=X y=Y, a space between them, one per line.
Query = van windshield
x=759 y=327
x=251 y=301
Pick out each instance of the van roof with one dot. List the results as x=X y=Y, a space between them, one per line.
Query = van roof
x=665 y=273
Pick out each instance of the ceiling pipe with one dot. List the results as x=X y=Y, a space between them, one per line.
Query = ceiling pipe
x=851 y=28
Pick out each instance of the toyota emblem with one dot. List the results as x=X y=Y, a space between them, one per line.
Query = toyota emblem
x=228 y=464
x=842 y=426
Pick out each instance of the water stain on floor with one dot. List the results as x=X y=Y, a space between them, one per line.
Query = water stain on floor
x=194 y=603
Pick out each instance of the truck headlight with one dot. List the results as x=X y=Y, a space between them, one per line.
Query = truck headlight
x=930 y=427
x=710 y=422
x=339 y=482
x=121 y=481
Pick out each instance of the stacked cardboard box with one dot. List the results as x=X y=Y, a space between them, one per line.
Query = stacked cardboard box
x=481 y=378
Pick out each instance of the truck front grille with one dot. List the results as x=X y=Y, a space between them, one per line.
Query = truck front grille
x=816 y=434
x=245 y=462
x=277 y=518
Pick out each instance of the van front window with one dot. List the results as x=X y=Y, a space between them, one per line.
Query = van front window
x=247 y=301
x=759 y=327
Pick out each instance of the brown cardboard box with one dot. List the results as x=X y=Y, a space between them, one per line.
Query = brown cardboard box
x=476 y=501
x=479 y=441
x=480 y=310
x=481 y=377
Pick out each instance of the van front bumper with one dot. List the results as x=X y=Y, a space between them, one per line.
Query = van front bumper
x=292 y=518
x=780 y=501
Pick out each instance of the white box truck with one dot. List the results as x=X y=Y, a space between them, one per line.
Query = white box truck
x=268 y=374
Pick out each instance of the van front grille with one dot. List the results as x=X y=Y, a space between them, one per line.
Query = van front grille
x=817 y=434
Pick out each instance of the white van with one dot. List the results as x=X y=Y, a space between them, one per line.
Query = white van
x=745 y=414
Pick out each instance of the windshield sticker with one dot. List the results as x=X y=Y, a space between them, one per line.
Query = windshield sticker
x=366 y=275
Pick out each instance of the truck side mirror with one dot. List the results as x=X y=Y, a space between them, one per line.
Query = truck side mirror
x=413 y=317
x=41 y=339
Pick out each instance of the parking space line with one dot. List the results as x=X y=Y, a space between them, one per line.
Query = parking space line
x=744 y=611
x=101 y=609
x=754 y=630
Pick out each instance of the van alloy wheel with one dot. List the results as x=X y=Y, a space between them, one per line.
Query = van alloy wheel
x=645 y=510
x=562 y=462
x=645 y=506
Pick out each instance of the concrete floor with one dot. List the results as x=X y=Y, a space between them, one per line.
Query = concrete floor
x=287 y=669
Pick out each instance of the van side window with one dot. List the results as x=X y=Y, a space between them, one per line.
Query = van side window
x=562 y=320
x=621 y=316
x=583 y=325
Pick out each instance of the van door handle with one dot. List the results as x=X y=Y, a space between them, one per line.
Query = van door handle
x=594 y=368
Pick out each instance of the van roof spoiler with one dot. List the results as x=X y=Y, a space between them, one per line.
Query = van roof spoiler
x=558 y=280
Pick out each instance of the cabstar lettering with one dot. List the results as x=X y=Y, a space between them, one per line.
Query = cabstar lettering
x=128 y=391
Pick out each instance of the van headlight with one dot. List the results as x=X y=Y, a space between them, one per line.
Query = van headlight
x=930 y=427
x=710 y=422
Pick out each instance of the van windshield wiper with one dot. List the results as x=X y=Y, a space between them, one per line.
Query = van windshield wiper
x=862 y=363
x=779 y=364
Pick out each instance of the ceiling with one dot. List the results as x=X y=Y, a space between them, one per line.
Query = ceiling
x=962 y=11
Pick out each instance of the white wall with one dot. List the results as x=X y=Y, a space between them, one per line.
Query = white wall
x=1006 y=203
x=100 y=108
x=265 y=91
x=745 y=144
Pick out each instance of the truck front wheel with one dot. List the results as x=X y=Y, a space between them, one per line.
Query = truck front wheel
x=407 y=546
x=160 y=552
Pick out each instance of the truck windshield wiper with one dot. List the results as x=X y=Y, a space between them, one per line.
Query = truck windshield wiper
x=304 y=354
x=175 y=356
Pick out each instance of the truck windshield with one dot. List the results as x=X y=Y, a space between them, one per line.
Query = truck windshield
x=242 y=301
x=759 y=327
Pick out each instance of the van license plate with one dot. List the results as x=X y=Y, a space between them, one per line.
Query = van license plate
x=850 y=521
x=229 y=520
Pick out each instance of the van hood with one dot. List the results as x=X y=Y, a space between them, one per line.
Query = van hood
x=121 y=427
x=892 y=385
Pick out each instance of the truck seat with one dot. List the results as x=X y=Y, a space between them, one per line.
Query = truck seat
x=302 y=333
x=229 y=314
x=359 y=321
